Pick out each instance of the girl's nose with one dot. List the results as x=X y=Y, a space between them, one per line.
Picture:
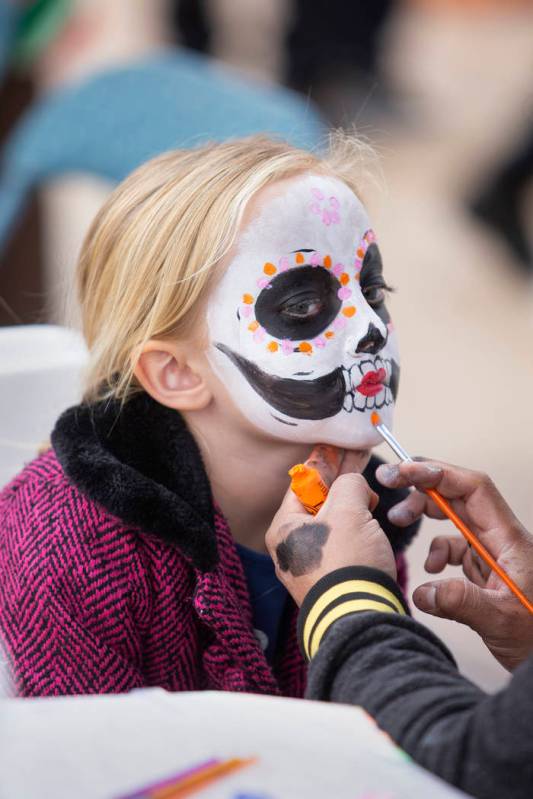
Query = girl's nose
x=371 y=343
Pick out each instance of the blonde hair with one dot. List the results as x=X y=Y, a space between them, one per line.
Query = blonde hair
x=146 y=265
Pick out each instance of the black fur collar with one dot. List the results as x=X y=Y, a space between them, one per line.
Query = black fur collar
x=143 y=465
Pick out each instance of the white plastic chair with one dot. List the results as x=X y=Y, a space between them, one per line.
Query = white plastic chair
x=40 y=375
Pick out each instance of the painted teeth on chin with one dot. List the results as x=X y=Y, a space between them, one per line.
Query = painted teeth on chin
x=370 y=403
x=379 y=364
x=348 y=403
x=359 y=401
x=366 y=366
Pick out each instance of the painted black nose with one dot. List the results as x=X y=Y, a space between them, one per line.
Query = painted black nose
x=372 y=342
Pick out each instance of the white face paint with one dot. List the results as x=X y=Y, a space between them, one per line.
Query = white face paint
x=299 y=332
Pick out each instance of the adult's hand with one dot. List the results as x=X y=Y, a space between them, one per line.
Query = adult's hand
x=305 y=548
x=482 y=601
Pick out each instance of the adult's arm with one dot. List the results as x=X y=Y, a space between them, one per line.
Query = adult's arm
x=405 y=677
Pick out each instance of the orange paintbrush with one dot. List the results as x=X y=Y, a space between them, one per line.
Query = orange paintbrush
x=447 y=509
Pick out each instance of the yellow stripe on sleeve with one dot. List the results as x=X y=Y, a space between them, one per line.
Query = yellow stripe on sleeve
x=351 y=606
x=348 y=587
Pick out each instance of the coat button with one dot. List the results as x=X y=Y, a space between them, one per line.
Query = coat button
x=262 y=637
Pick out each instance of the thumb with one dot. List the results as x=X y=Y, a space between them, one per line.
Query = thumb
x=456 y=599
x=351 y=492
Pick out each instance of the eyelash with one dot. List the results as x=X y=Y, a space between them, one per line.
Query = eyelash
x=383 y=289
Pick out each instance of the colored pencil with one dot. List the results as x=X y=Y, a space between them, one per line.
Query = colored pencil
x=147 y=791
x=196 y=782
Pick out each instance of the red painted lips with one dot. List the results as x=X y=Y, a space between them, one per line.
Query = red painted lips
x=372 y=383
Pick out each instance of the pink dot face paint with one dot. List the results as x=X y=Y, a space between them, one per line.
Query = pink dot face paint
x=309 y=335
x=327 y=208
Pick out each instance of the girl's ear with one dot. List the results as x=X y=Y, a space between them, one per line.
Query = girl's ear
x=168 y=375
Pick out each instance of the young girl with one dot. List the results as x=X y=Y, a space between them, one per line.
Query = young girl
x=233 y=304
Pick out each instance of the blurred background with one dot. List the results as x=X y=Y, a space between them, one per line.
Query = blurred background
x=442 y=89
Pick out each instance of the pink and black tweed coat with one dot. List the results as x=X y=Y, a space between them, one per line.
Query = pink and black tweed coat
x=117 y=572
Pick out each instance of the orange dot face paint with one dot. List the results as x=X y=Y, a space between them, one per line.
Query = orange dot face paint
x=295 y=339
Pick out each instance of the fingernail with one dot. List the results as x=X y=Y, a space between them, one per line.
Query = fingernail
x=426 y=598
x=432 y=469
x=388 y=473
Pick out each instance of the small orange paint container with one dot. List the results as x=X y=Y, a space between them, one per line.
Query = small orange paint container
x=309 y=487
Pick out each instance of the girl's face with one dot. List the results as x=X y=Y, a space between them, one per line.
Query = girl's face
x=299 y=332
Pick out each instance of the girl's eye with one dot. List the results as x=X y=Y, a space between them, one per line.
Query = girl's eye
x=302 y=309
x=375 y=295
x=299 y=303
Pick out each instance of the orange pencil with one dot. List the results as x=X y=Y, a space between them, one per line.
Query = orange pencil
x=199 y=780
x=447 y=509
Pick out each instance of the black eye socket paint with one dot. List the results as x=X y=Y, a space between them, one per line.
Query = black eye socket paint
x=299 y=399
x=299 y=304
x=372 y=276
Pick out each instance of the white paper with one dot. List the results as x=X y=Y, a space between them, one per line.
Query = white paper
x=105 y=746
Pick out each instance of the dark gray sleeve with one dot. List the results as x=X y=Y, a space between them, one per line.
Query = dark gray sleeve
x=401 y=674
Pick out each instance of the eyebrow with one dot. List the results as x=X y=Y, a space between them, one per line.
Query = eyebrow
x=302 y=249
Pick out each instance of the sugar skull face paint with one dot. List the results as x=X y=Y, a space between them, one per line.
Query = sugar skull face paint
x=299 y=331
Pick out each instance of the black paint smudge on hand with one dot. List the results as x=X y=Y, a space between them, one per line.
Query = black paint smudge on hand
x=301 y=552
x=300 y=399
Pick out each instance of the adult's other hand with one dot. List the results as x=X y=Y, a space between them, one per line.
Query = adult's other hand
x=482 y=600
x=305 y=548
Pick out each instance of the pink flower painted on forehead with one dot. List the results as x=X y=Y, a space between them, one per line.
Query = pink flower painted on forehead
x=328 y=208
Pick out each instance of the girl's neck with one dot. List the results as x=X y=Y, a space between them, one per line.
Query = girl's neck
x=248 y=475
